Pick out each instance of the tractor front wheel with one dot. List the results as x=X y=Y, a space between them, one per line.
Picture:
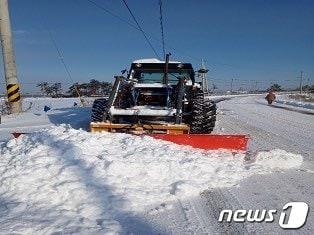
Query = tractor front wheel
x=98 y=110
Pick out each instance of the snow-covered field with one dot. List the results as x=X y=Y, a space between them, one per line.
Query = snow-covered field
x=34 y=117
x=61 y=179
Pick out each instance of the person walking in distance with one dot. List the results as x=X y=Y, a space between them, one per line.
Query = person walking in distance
x=270 y=97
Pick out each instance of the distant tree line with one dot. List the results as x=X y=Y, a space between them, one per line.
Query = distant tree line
x=91 y=88
x=53 y=90
x=308 y=88
x=275 y=87
x=305 y=88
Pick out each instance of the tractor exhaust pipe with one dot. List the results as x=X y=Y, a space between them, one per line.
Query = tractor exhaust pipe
x=180 y=98
x=166 y=69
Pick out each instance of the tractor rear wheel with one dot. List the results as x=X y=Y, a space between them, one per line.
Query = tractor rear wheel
x=203 y=116
x=196 y=121
x=98 y=109
x=209 y=112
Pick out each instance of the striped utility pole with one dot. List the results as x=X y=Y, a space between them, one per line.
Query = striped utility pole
x=13 y=89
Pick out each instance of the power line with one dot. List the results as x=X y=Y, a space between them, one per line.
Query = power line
x=162 y=28
x=135 y=27
x=60 y=55
x=66 y=68
x=125 y=21
x=113 y=14
x=140 y=28
x=152 y=37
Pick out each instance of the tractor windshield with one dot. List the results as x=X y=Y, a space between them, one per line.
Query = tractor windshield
x=154 y=73
x=153 y=76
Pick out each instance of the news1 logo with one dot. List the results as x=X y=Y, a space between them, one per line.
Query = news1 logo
x=296 y=219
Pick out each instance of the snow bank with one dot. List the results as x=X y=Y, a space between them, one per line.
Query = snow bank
x=71 y=181
x=294 y=102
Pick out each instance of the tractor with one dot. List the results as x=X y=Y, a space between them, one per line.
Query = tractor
x=155 y=97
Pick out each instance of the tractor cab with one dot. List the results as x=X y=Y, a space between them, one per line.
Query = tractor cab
x=155 y=82
x=156 y=71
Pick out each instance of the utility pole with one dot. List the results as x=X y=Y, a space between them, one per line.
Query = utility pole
x=254 y=85
x=308 y=85
x=13 y=90
x=202 y=74
x=301 y=82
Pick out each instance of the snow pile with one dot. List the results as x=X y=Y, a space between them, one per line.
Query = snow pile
x=71 y=181
x=294 y=102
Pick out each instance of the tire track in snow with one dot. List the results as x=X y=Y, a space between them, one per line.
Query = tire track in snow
x=294 y=122
x=260 y=193
x=253 y=125
x=259 y=137
x=274 y=120
x=216 y=201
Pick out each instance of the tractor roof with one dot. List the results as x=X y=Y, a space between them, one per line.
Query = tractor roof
x=153 y=61
x=159 y=64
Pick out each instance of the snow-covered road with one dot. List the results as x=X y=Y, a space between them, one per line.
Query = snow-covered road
x=64 y=180
x=270 y=127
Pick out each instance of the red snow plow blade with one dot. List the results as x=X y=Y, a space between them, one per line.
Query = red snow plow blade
x=207 y=141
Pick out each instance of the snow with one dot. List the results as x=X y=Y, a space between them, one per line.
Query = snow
x=284 y=99
x=152 y=60
x=144 y=110
x=36 y=104
x=34 y=118
x=219 y=98
x=269 y=126
x=150 y=85
x=63 y=179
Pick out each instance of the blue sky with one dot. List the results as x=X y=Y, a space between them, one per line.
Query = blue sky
x=249 y=40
